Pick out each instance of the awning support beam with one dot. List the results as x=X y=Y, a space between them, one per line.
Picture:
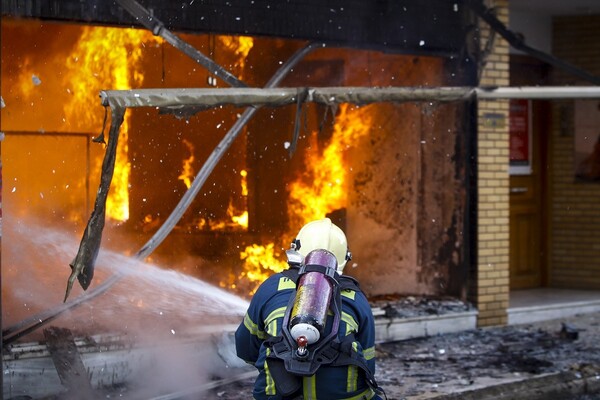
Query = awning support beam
x=208 y=98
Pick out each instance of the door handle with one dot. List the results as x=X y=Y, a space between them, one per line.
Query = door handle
x=518 y=190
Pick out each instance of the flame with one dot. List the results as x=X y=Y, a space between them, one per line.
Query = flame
x=322 y=187
x=320 y=190
x=238 y=218
x=240 y=46
x=260 y=261
x=106 y=58
x=188 y=173
x=241 y=219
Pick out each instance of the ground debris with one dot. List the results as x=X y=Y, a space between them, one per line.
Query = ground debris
x=470 y=364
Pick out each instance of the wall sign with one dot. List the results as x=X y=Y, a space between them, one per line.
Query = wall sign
x=520 y=136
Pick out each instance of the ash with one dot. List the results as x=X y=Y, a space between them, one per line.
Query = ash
x=415 y=306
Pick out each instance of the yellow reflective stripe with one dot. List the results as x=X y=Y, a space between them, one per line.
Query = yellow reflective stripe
x=309 y=390
x=270 y=383
x=253 y=328
x=285 y=283
x=351 y=324
x=250 y=325
x=352 y=379
x=349 y=293
x=369 y=353
x=367 y=394
x=277 y=313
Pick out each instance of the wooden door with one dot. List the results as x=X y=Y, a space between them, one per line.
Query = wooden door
x=527 y=214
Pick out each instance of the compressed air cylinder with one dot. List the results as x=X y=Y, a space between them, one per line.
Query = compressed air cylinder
x=313 y=296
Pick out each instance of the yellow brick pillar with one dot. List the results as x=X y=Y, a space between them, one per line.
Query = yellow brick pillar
x=493 y=182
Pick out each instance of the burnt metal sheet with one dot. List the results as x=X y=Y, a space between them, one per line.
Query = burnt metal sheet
x=411 y=26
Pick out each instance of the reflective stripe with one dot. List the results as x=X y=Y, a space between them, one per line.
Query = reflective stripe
x=349 y=293
x=309 y=390
x=367 y=394
x=352 y=379
x=351 y=324
x=285 y=283
x=253 y=328
x=270 y=383
x=277 y=313
x=369 y=353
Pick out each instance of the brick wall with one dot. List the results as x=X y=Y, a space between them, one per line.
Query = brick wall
x=493 y=184
x=574 y=207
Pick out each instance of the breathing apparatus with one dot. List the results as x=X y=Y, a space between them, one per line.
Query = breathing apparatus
x=320 y=250
x=304 y=346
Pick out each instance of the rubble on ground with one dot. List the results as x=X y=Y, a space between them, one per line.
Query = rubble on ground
x=442 y=365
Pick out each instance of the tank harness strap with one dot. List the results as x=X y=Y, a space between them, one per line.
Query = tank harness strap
x=349 y=356
x=346 y=282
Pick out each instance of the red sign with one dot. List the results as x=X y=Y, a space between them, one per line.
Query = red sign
x=519 y=131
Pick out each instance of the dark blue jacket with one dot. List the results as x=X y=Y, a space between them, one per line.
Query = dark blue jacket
x=264 y=318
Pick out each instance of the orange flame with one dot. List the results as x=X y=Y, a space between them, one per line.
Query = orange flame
x=320 y=190
x=240 y=46
x=260 y=261
x=322 y=187
x=188 y=173
x=105 y=58
x=238 y=219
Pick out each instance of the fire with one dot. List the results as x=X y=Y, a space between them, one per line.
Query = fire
x=260 y=261
x=188 y=173
x=320 y=190
x=106 y=58
x=240 y=46
x=322 y=187
x=238 y=218
x=241 y=219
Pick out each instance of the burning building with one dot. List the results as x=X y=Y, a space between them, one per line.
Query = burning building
x=396 y=175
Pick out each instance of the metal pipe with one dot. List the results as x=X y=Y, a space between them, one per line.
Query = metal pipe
x=208 y=98
x=540 y=92
x=144 y=17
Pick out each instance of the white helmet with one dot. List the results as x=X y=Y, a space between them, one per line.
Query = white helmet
x=323 y=234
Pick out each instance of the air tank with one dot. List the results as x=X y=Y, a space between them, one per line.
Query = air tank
x=313 y=295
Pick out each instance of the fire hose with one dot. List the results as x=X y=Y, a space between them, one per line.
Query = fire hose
x=30 y=324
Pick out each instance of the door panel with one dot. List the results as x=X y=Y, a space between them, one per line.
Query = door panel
x=525 y=254
x=527 y=214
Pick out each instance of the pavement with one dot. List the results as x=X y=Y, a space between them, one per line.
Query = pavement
x=554 y=359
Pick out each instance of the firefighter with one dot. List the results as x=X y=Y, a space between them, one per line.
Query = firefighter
x=354 y=378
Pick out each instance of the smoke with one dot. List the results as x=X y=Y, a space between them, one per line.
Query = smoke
x=172 y=325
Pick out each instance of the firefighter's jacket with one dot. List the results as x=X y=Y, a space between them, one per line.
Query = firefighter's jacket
x=264 y=318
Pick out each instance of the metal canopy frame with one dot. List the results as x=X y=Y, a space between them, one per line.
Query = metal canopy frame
x=177 y=99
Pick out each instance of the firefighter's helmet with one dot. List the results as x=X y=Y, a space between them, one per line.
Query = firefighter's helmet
x=324 y=234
